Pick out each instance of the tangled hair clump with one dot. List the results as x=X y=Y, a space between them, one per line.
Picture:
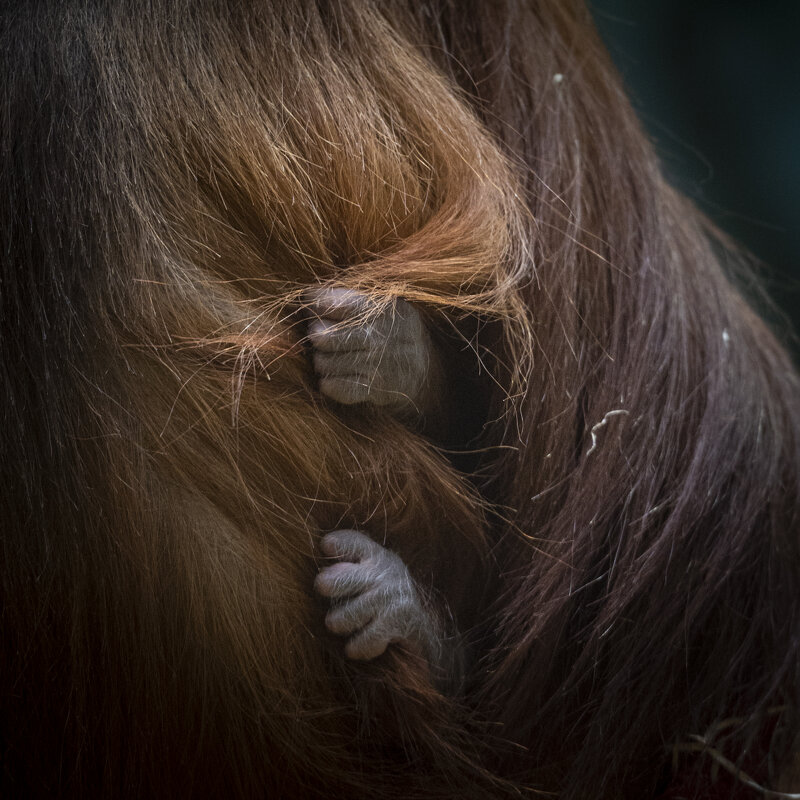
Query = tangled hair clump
x=175 y=175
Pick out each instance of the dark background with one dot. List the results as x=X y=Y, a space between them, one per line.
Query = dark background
x=717 y=85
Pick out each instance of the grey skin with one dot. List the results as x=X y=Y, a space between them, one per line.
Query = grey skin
x=374 y=600
x=380 y=357
x=384 y=359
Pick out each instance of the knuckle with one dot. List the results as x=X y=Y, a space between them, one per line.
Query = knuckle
x=343 y=390
x=322 y=583
x=317 y=328
x=335 y=579
x=366 y=647
x=337 y=621
x=354 y=537
x=335 y=543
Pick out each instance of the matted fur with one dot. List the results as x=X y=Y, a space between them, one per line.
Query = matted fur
x=174 y=175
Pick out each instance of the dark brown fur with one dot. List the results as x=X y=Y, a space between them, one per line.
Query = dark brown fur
x=174 y=176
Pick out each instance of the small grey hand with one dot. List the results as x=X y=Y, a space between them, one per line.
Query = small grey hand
x=375 y=602
x=362 y=355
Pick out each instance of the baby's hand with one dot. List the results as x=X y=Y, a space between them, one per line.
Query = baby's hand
x=374 y=599
x=385 y=359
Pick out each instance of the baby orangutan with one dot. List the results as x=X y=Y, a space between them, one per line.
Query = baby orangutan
x=386 y=359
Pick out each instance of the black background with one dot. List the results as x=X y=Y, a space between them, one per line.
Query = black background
x=717 y=85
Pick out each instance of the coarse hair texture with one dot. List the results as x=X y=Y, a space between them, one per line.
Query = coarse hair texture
x=174 y=175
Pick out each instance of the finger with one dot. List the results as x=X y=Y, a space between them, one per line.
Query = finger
x=337 y=303
x=343 y=579
x=349 y=545
x=359 y=364
x=346 y=390
x=329 y=336
x=354 y=389
x=351 y=615
x=367 y=644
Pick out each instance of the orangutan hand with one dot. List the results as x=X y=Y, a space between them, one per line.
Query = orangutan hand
x=375 y=602
x=385 y=359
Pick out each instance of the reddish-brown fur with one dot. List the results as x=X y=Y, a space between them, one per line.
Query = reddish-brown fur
x=174 y=176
